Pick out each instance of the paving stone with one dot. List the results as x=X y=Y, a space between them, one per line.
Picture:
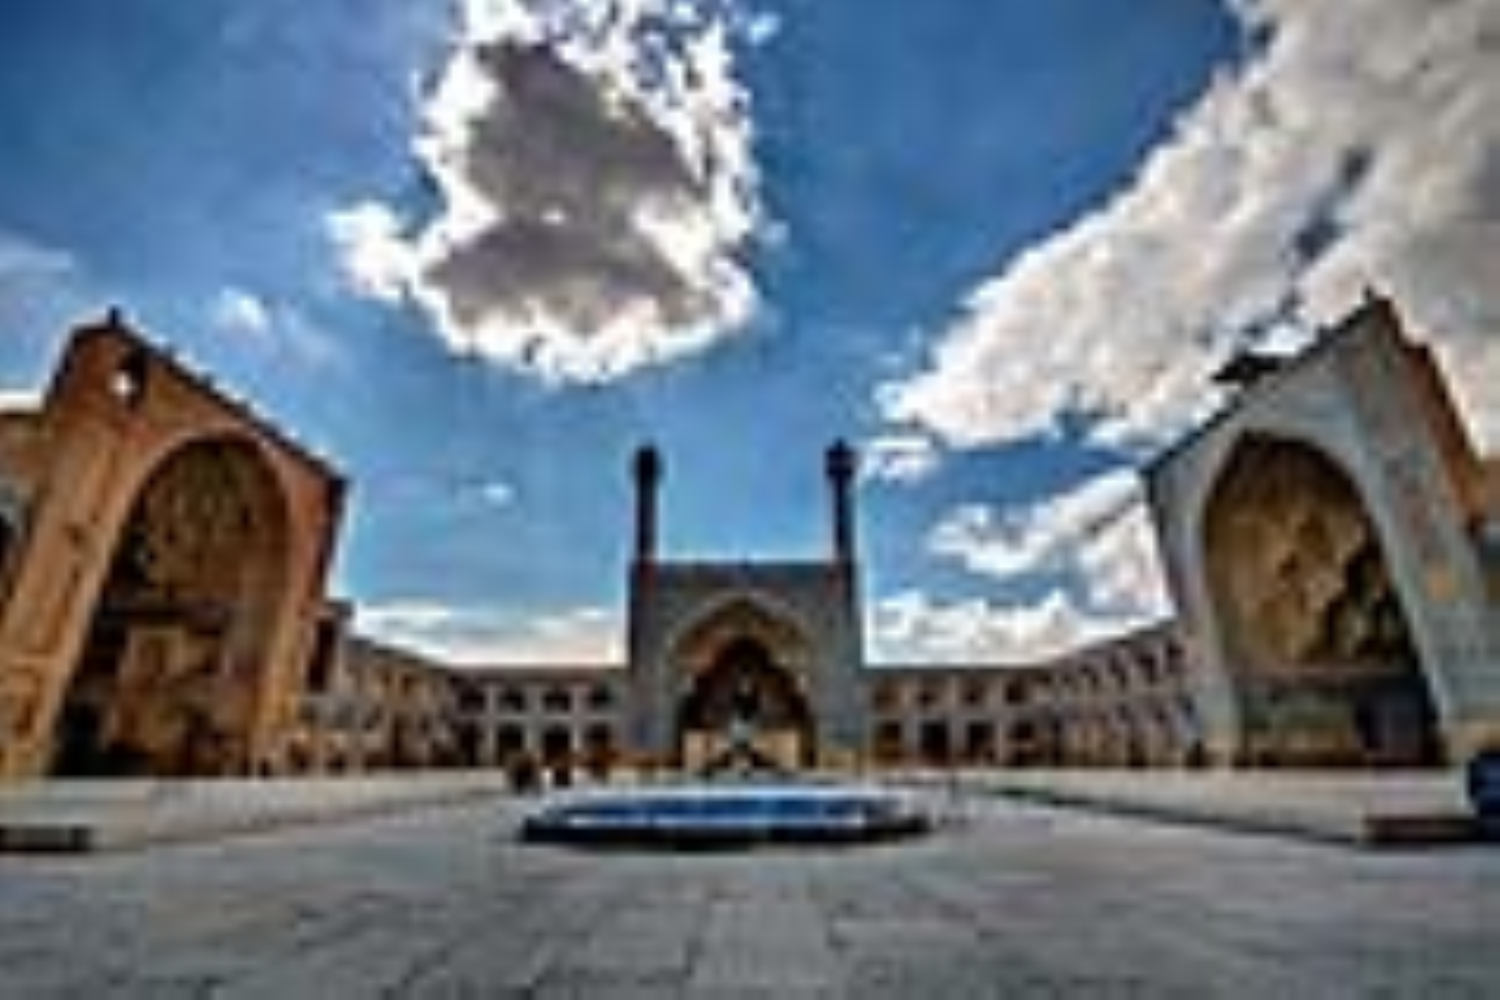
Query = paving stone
x=1015 y=902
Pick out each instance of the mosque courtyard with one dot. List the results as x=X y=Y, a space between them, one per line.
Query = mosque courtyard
x=1005 y=899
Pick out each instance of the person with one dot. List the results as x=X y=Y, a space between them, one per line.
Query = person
x=523 y=773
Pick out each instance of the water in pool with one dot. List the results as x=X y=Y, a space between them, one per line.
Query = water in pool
x=725 y=814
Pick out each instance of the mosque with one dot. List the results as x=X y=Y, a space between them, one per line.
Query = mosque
x=1331 y=540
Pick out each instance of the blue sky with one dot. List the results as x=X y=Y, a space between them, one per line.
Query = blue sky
x=474 y=252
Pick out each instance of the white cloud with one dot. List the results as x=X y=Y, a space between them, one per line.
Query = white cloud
x=593 y=166
x=452 y=492
x=1119 y=571
x=1360 y=144
x=496 y=493
x=1006 y=544
x=469 y=635
x=374 y=251
x=276 y=330
x=34 y=274
x=20 y=400
x=1097 y=533
x=900 y=458
x=1095 y=538
x=238 y=311
x=44 y=290
x=23 y=259
x=912 y=627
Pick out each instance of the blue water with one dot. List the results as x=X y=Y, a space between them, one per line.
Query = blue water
x=753 y=811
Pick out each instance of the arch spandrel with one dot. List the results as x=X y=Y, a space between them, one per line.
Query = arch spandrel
x=697 y=646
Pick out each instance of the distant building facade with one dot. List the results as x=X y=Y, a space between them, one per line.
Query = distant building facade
x=367 y=706
x=766 y=660
x=1124 y=702
x=772 y=647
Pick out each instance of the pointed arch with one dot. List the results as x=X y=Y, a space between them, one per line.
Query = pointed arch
x=1315 y=634
x=177 y=650
x=742 y=697
x=739 y=616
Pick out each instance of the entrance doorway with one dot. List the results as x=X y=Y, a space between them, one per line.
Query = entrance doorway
x=745 y=712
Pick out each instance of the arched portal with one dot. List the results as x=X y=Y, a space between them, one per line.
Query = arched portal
x=177 y=650
x=745 y=711
x=1315 y=636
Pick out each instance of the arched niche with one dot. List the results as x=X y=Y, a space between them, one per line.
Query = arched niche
x=742 y=700
x=1315 y=637
x=177 y=648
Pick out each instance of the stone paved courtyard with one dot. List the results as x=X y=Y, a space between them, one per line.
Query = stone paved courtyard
x=1013 y=901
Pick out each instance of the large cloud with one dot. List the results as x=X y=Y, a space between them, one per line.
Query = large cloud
x=913 y=627
x=597 y=193
x=1096 y=533
x=1094 y=541
x=472 y=635
x=1359 y=143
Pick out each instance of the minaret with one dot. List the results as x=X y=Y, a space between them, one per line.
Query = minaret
x=647 y=469
x=841 y=465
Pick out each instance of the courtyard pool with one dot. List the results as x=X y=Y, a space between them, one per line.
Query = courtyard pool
x=727 y=815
